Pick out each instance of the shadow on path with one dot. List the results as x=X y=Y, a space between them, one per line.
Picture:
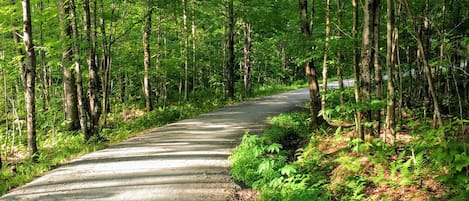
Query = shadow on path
x=186 y=160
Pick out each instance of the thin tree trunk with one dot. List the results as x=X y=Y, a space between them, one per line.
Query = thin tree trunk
x=390 y=125
x=6 y=112
x=147 y=58
x=105 y=63
x=247 y=59
x=158 y=61
x=70 y=91
x=396 y=60
x=378 y=77
x=30 y=68
x=231 y=58
x=78 y=81
x=325 y=61
x=185 y=51
x=340 y=8
x=42 y=53
x=356 y=69
x=310 y=69
x=194 y=62
x=437 y=121
x=284 y=62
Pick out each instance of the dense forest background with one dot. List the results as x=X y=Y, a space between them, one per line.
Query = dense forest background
x=76 y=71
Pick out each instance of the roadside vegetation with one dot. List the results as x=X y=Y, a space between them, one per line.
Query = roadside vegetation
x=289 y=161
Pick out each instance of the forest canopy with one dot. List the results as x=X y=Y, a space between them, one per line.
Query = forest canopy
x=82 y=68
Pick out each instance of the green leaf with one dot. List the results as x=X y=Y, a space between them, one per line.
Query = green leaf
x=288 y=170
x=265 y=166
x=274 y=148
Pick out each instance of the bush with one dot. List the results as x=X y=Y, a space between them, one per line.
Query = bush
x=261 y=163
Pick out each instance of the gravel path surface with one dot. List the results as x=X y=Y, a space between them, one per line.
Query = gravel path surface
x=186 y=160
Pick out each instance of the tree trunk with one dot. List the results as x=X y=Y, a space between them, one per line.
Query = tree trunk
x=185 y=51
x=6 y=111
x=147 y=58
x=340 y=10
x=231 y=56
x=325 y=62
x=194 y=62
x=378 y=77
x=356 y=69
x=390 y=125
x=437 y=121
x=70 y=90
x=30 y=75
x=105 y=63
x=82 y=110
x=283 y=52
x=366 y=59
x=43 y=72
x=158 y=60
x=247 y=59
x=310 y=70
x=94 y=80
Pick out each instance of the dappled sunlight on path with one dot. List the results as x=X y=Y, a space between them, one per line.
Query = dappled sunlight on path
x=186 y=160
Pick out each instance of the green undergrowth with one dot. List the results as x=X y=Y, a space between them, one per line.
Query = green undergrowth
x=57 y=147
x=287 y=162
x=268 y=163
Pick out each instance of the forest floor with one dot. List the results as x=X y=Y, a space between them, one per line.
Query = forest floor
x=186 y=160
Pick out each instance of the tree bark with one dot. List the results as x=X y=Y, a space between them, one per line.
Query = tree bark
x=195 y=77
x=231 y=56
x=147 y=58
x=325 y=61
x=356 y=69
x=247 y=59
x=340 y=10
x=82 y=109
x=105 y=63
x=283 y=52
x=6 y=109
x=43 y=73
x=366 y=60
x=378 y=77
x=30 y=75
x=185 y=51
x=94 y=79
x=310 y=69
x=70 y=91
x=390 y=125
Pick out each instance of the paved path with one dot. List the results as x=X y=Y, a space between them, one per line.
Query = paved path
x=187 y=160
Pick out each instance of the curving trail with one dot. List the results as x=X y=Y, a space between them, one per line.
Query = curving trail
x=186 y=160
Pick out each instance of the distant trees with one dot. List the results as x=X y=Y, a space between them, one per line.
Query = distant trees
x=150 y=55
x=424 y=73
